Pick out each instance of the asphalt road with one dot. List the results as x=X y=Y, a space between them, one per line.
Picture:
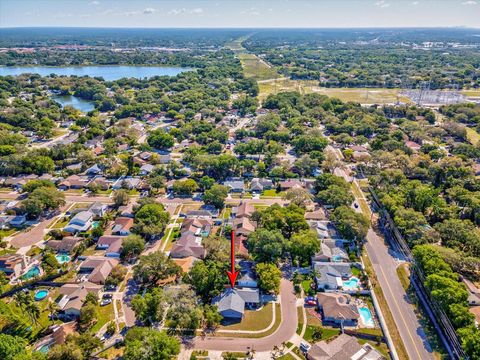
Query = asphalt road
x=402 y=310
x=283 y=333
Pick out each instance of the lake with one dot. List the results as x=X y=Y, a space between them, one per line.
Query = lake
x=77 y=103
x=109 y=73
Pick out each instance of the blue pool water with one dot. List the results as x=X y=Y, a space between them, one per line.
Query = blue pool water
x=95 y=224
x=366 y=316
x=44 y=349
x=336 y=258
x=40 y=295
x=62 y=258
x=351 y=284
x=33 y=272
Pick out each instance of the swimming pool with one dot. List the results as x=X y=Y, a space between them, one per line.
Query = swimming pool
x=337 y=258
x=351 y=284
x=366 y=316
x=62 y=258
x=40 y=295
x=33 y=272
x=44 y=349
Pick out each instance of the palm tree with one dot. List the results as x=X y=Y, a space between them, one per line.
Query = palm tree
x=52 y=307
x=25 y=301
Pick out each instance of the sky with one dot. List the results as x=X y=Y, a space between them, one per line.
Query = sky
x=240 y=13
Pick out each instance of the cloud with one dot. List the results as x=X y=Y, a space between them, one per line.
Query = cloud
x=382 y=4
x=148 y=11
x=95 y=2
x=251 y=11
x=469 y=2
x=185 y=11
x=415 y=3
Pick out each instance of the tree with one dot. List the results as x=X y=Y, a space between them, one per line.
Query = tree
x=151 y=220
x=207 y=278
x=303 y=246
x=288 y=220
x=41 y=199
x=317 y=334
x=185 y=187
x=116 y=276
x=211 y=316
x=151 y=307
x=335 y=196
x=120 y=197
x=12 y=347
x=206 y=182
x=146 y=344
x=350 y=224
x=67 y=351
x=159 y=139
x=266 y=245
x=132 y=246
x=269 y=276
x=184 y=312
x=26 y=302
x=216 y=196
x=34 y=184
x=298 y=196
x=154 y=267
x=111 y=328
x=88 y=317
x=86 y=342
x=217 y=248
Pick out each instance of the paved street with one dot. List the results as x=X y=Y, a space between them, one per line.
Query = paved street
x=284 y=332
x=403 y=313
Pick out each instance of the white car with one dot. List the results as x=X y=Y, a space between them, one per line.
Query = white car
x=105 y=302
x=304 y=347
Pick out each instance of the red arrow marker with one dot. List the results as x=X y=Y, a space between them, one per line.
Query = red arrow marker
x=232 y=275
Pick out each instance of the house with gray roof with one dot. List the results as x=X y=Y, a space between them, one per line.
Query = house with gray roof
x=329 y=275
x=235 y=185
x=80 y=222
x=231 y=303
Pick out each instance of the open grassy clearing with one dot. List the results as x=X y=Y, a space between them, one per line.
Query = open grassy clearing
x=361 y=95
x=254 y=67
x=104 y=315
x=472 y=136
x=471 y=92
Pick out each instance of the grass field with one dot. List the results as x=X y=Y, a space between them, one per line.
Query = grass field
x=254 y=67
x=473 y=136
x=361 y=95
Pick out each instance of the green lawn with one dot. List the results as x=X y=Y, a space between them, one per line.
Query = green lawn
x=254 y=67
x=472 y=136
x=253 y=320
x=271 y=193
x=105 y=314
x=7 y=232
x=306 y=285
x=59 y=223
x=327 y=333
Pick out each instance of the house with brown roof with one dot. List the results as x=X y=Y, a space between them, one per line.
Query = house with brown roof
x=337 y=308
x=74 y=296
x=244 y=209
x=122 y=226
x=13 y=265
x=67 y=245
x=197 y=226
x=97 y=268
x=343 y=347
x=112 y=244
x=243 y=226
x=290 y=184
x=74 y=182
x=188 y=245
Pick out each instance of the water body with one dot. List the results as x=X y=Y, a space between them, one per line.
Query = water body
x=109 y=73
x=76 y=102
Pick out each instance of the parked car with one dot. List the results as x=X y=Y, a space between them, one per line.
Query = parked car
x=107 y=296
x=110 y=287
x=304 y=347
x=105 y=302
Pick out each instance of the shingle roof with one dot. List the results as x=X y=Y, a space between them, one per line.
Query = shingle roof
x=229 y=300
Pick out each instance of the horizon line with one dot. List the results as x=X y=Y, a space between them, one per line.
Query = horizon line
x=239 y=28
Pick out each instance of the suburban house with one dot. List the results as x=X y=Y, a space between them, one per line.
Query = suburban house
x=197 y=226
x=235 y=185
x=146 y=169
x=73 y=182
x=101 y=182
x=258 y=185
x=67 y=245
x=112 y=245
x=331 y=251
x=343 y=347
x=187 y=245
x=290 y=184
x=13 y=265
x=18 y=221
x=242 y=210
x=98 y=209
x=80 y=222
x=316 y=215
x=126 y=183
x=94 y=170
x=231 y=303
x=243 y=226
x=122 y=226
x=337 y=308
x=74 y=295
x=329 y=275
x=247 y=277
x=97 y=268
